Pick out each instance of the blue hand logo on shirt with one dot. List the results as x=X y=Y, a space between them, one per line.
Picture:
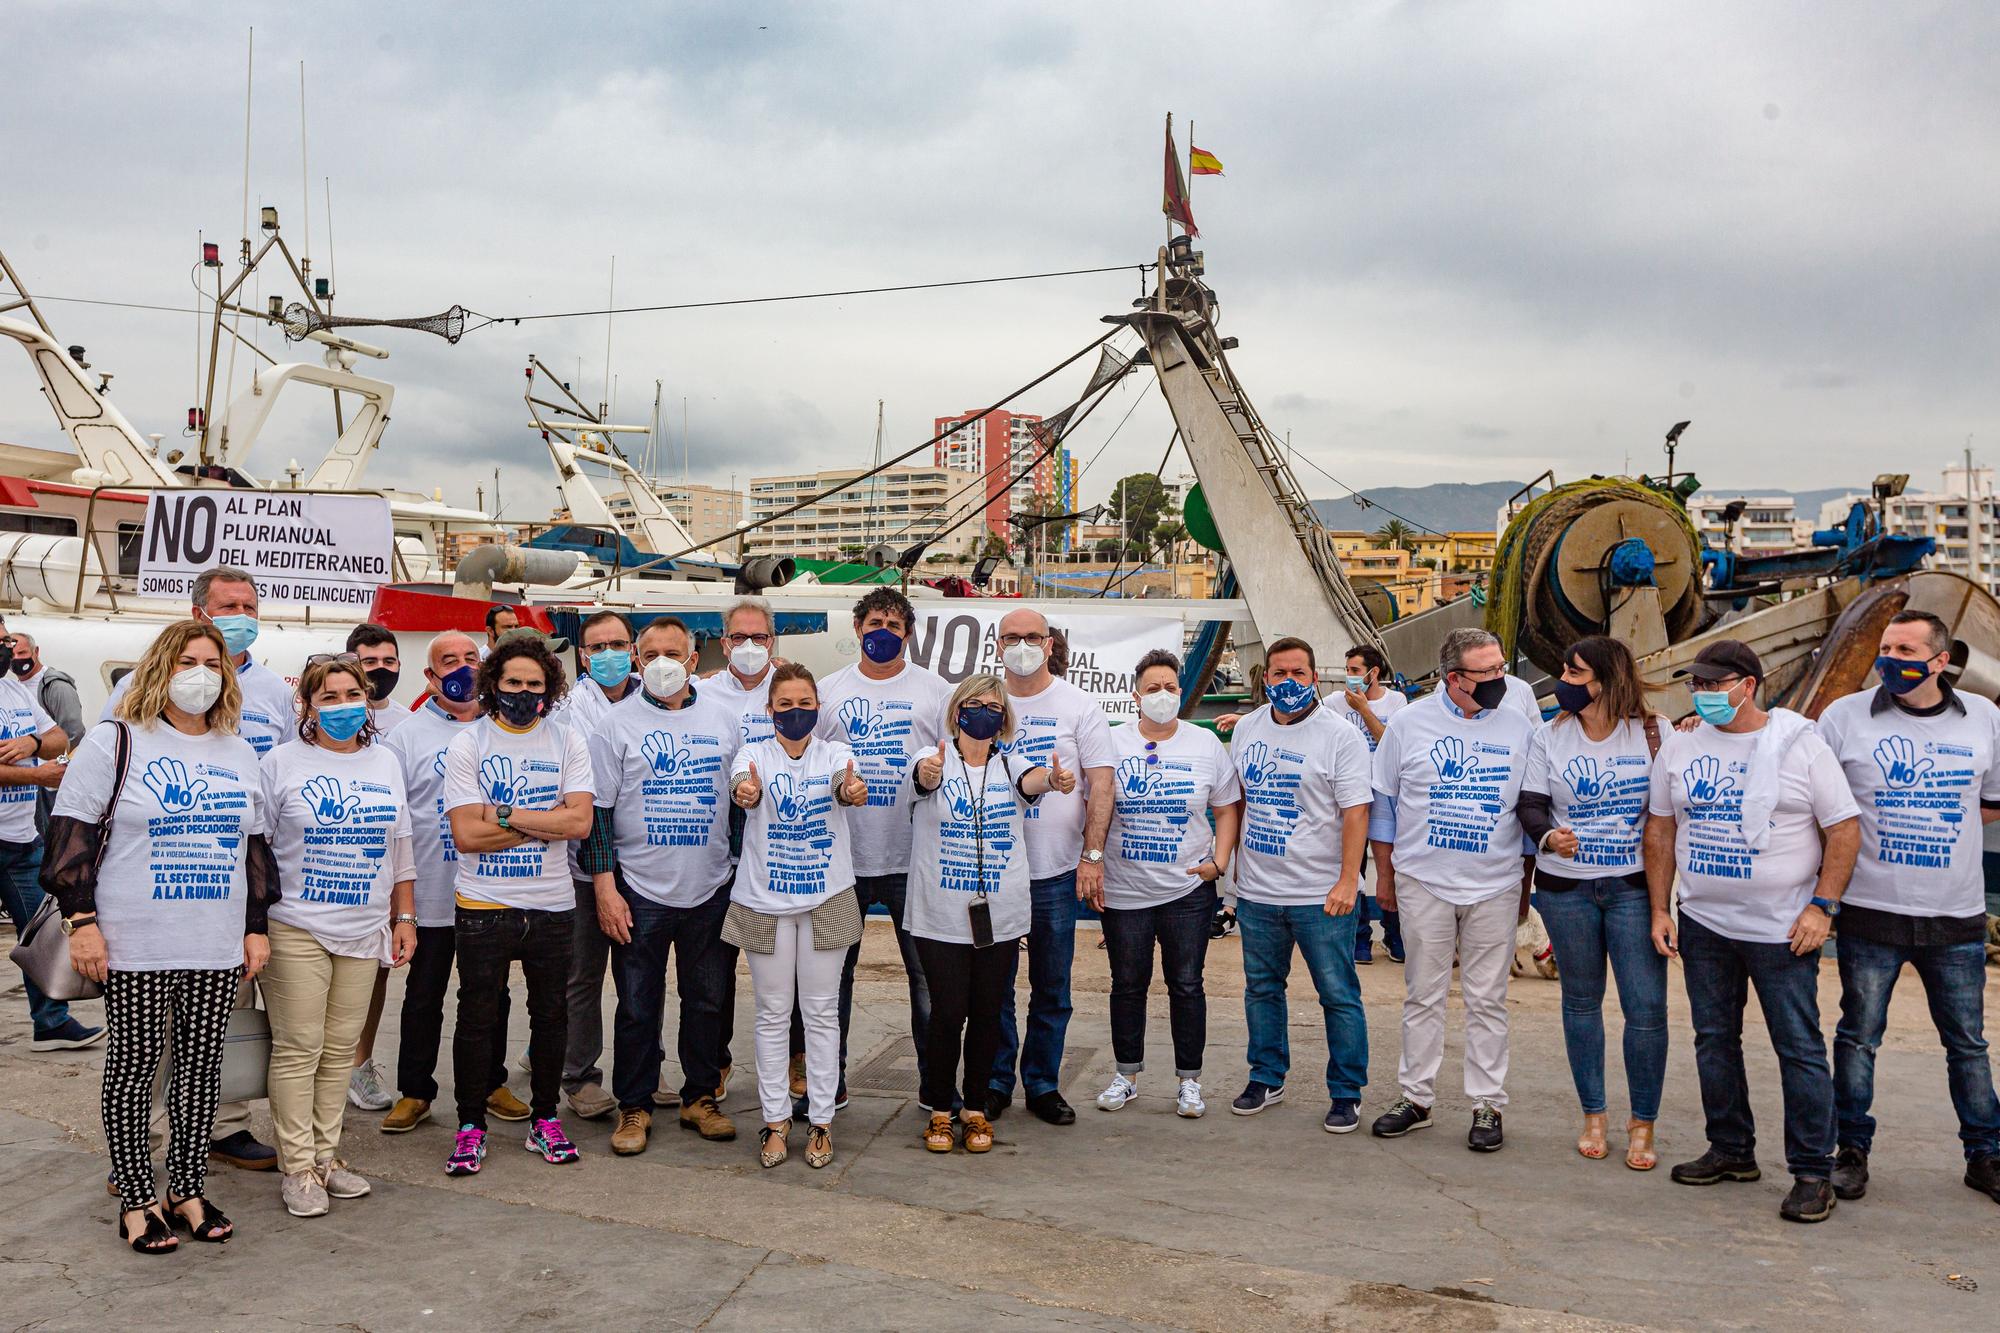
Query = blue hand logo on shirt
x=1450 y=759
x=1135 y=776
x=501 y=784
x=858 y=719
x=1256 y=764
x=324 y=798
x=1705 y=782
x=783 y=792
x=664 y=754
x=1585 y=778
x=1896 y=756
x=167 y=779
x=437 y=763
x=958 y=798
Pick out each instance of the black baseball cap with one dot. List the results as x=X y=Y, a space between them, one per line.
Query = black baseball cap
x=1724 y=657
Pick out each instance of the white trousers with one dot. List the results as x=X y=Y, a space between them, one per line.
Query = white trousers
x=1481 y=937
x=796 y=969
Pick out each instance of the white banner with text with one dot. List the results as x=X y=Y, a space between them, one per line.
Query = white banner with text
x=963 y=640
x=321 y=550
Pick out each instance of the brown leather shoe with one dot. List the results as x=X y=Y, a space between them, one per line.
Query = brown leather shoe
x=798 y=1077
x=978 y=1132
x=705 y=1119
x=722 y=1085
x=937 y=1134
x=504 y=1105
x=635 y=1124
x=405 y=1115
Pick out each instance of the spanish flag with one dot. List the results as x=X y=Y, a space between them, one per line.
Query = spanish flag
x=1201 y=162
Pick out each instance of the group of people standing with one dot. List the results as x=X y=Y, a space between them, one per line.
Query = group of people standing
x=222 y=826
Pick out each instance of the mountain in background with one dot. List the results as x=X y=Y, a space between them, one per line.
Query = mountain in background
x=1458 y=506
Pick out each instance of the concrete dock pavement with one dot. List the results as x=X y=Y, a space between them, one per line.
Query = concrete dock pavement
x=1133 y=1220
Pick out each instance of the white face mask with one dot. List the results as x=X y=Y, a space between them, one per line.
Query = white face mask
x=749 y=658
x=1024 y=659
x=665 y=677
x=1161 y=706
x=195 y=690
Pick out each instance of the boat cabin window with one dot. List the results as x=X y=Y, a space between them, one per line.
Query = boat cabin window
x=131 y=542
x=46 y=525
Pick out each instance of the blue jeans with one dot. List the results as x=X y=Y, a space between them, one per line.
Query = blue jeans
x=1954 y=977
x=1366 y=909
x=702 y=963
x=1181 y=929
x=1720 y=972
x=1051 y=953
x=1327 y=943
x=1596 y=921
x=21 y=894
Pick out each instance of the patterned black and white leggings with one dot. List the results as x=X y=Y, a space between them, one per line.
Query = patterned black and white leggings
x=141 y=1009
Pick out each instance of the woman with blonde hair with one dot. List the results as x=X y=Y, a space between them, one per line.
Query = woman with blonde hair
x=340 y=828
x=968 y=906
x=158 y=860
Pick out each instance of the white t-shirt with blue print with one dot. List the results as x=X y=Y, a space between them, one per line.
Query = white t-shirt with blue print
x=1598 y=791
x=1456 y=784
x=968 y=842
x=531 y=770
x=1297 y=778
x=421 y=743
x=664 y=775
x=1160 y=803
x=20 y=715
x=796 y=841
x=334 y=820
x=888 y=725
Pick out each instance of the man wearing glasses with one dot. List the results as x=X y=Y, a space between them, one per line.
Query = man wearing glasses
x=605 y=651
x=1065 y=836
x=1448 y=848
x=749 y=640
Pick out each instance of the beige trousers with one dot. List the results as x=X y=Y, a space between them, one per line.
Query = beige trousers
x=318 y=1002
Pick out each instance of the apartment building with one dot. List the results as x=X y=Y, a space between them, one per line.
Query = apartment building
x=901 y=506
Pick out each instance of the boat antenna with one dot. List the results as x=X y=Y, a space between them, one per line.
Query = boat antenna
x=331 y=273
x=207 y=425
x=305 y=189
x=875 y=481
x=611 y=292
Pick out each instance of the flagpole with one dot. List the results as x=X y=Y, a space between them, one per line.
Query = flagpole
x=1170 y=216
x=1190 y=173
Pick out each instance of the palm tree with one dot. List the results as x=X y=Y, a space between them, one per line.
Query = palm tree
x=1396 y=533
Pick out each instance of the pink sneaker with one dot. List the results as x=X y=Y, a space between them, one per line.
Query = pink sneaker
x=468 y=1150
x=547 y=1138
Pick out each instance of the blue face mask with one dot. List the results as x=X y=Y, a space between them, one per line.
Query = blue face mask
x=1572 y=698
x=343 y=722
x=610 y=668
x=1714 y=708
x=1900 y=675
x=238 y=632
x=881 y=645
x=1291 y=696
x=795 y=724
x=459 y=684
x=979 y=722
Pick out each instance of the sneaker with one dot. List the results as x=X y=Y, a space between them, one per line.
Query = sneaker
x=1222 y=924
x=1484 y=1136
x=1401 y=1118
x=547 y=1138
x=1983 y=1174
x=1113 y=1098
x=1809 y=1201
x=1850 y=1172
x=405 y=1116
x=635 y=1124
x=504 y=1105
x=523 y=1063
x=68 y=1035
x=840 y=1095
x=1343 y=1117
x=468 y=1150
x=243 y=1151
x=705 y=1118
x=1712 y=1168
x=722 y=1085
x=1395 y=952
x=304 y=1195
x=1188 y=1103
x=591 y=1102
x=1363 y=955
x=1050 y=1108
x=1255 y=1098
x=365 y=1090
x=341 y=1182
x=802 y=1102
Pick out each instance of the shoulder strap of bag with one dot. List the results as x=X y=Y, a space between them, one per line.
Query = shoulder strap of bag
x=122 y=766
x=1652 y=725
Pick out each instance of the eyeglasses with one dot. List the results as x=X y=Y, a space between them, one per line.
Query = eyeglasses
x=317 y=658
x=608 y=646
x=991 y=710
x=738 y=640
x=1014 y=640
x=1488 y=673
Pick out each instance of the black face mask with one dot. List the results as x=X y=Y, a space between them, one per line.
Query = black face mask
x=22 y=666
x=795 y=724
x=518 y=708
x=381 y=682
x=1490 y=693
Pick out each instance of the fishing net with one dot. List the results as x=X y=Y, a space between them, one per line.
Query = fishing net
x=301 y=319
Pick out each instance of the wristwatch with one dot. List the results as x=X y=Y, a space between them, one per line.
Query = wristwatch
x=1093 y=857
x=72 y=924
x=503 y=813
x=1827 y=905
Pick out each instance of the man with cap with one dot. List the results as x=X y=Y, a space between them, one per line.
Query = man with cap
x=1924 y=763
x=1738 y=810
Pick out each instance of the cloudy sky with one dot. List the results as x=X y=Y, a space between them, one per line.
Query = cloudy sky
x=1458 y=241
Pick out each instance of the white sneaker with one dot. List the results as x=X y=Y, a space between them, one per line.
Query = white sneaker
x=1113 y=1098
x=1189 y=1102
x=303 y=1194
x=365 y=1090
x=340 y=1182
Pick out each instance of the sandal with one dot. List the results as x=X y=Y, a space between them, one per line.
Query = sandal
x=157 y=1238
x=1590 y=1143
x=978 y=1132
x=208 y=1226
x=937 y=1134
x=819 y=1146
x=771 y=1148
x=1639 y=1154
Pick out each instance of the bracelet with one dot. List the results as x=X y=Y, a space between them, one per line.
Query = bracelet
x=402 y=917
